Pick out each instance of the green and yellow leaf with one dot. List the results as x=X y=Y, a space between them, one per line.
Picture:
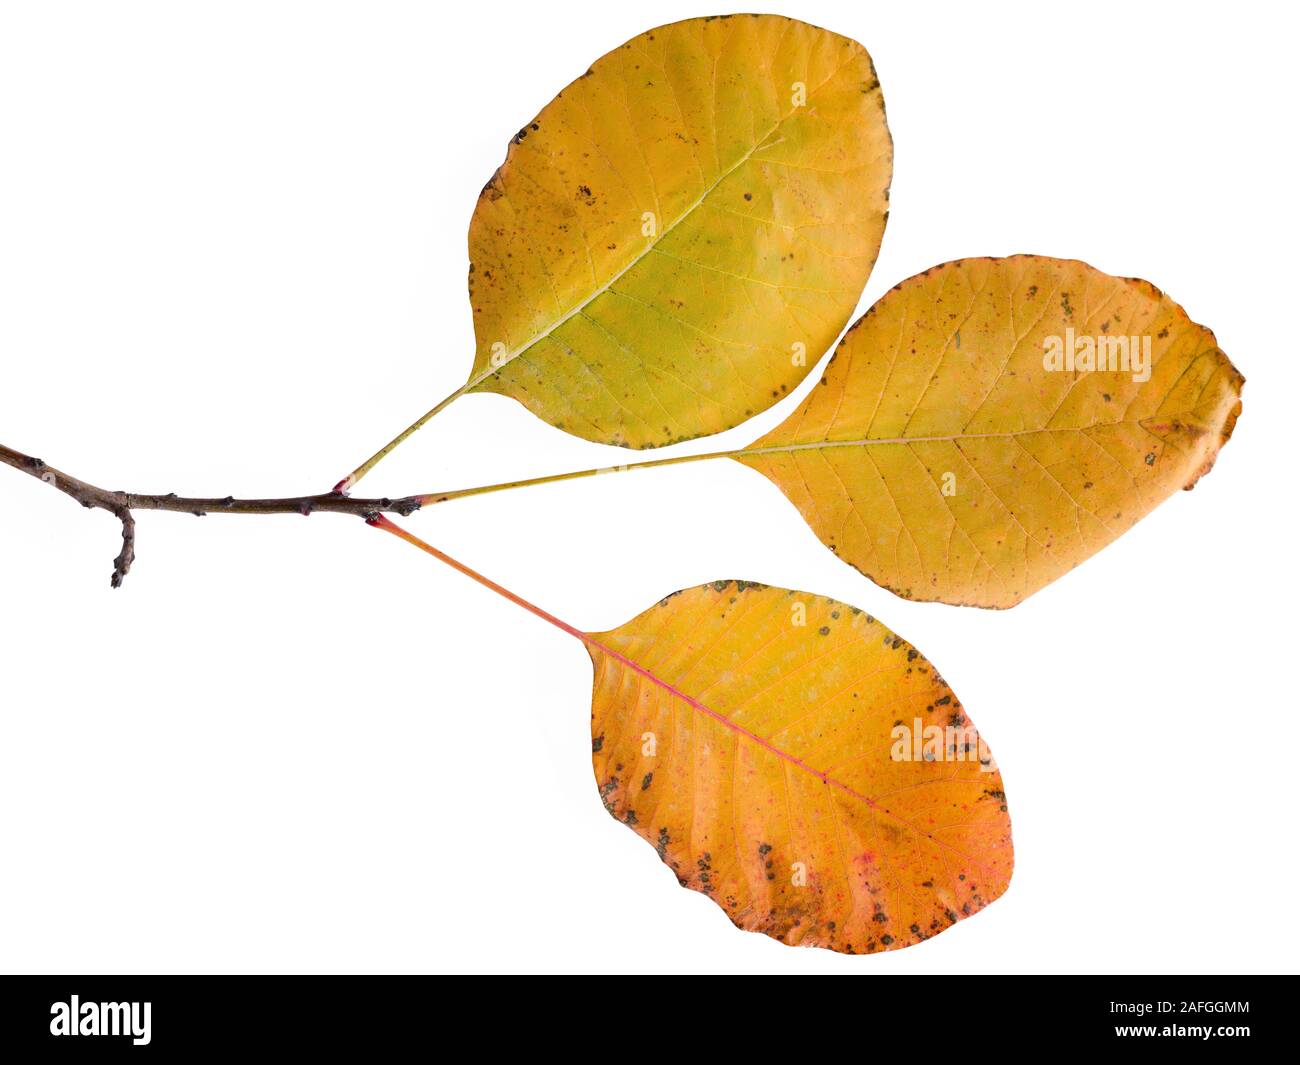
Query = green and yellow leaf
x=673 y=242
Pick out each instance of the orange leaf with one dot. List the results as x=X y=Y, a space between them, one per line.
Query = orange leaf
x=800 y=764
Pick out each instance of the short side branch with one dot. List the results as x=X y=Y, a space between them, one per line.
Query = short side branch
x=122 y=564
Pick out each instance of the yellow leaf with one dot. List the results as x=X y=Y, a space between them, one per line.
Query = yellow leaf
x=800 y=764
x=673 y=242
x=991 y=423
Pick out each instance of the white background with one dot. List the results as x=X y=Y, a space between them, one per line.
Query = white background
x=232 y=260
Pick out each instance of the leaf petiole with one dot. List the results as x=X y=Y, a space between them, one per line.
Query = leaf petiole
x=378 y=521
x=430 y=498
x=344 y=486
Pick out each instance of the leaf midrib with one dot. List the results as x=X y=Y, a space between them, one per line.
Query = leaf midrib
x=479 y=378
x=817 y=445
x=772 y=748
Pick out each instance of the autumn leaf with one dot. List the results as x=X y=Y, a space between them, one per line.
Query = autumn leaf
x=794 y=760
x=673 y=242
x=991 y=423
x=678 y=237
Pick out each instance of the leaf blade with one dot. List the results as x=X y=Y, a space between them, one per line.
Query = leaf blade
x=942 y=385
x=746 y=707
x=758 y=245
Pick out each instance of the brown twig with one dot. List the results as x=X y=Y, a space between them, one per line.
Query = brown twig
x=121 y=504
